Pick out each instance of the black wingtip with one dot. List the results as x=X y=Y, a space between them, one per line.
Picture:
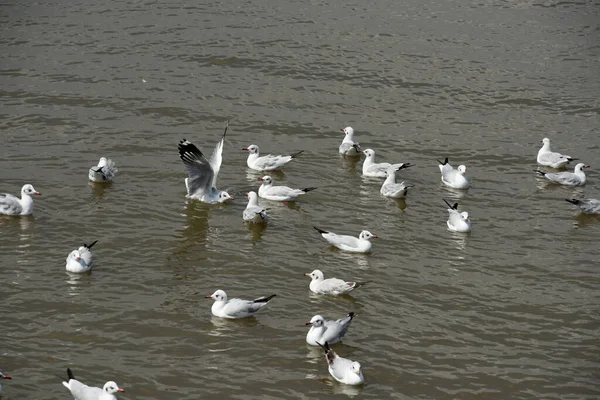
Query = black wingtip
x=305 y=190
x=70 y=374
x=320 y=230
x=452 y=206
x=226 y=126
x=351 y=315
x=445 y=161
x=90 y=246
x=542 y=173
x=405 y=165
x=325 y=347
x=357 y=147
x=264 y=299
x=297 y=154
x=573 y=201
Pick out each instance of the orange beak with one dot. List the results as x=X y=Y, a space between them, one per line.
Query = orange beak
x=121 y=390
x=38 y=193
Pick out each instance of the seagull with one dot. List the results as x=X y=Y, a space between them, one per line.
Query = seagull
x=549 y=158
x=202 y=173
x=392 y=189
x=322 y=331
x=80 y=260
x=370 y=168
x=279 y=193
x=236 y=308
x=575 y=178
x=254 y=212
x=79 y=391
x=349 y=147
x=104 y=171
x=342 y=369
x=2 y=376
x=333 y=286
x=455 y=178
x=457 y=221
x=12 y=205
x=349 y=243
x=268 y=162
x=588 y=206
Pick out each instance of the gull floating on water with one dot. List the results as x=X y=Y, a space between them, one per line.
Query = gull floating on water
x=254 y=212
x=378 y=170
x=268 y=162
x=103 y=172
x=334 y=286
x=332 y=331
x=457 y=221
x=80 y=260
x=202 y=173
x=575 y=178
x=2 y=376
x=390 y=188
x=361 y=244
x=549 y=158
x=349 y=147
x=279 y=193
x=455 y=178
x=342 y=369
x=85 y=392
x=588 y=206
x=236 y=308
x=12 y=205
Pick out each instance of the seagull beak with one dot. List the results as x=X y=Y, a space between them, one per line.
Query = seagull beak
x=38 y=193
x=587 y=166
x=260 y=179
x=7 y=377
x=208 y=297
x=231 y=198
x=308 y=323
x=307 y=275
x=362 y=151
x=245 y=148
x=78 y=258
x=374 y=236
x=121 y=390
x=342 y=130
x=357 y=372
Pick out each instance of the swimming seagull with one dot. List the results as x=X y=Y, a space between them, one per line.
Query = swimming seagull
x=455 y=178
x=333 y=286
x=12 y=205
x=457 y=221
x=268 y=162
x=80 y=260
x=254 y=212
x=103 y=172
x=279 y=193
x=588 y=206
x=79 y=391
x=549 y=158
x=236 y=308
x=575 y=178
x=378 y=170
x=342 y=369
x=332 y=331
x=2 y=376
x=390 y=188
x=349 y=243
x=349 y=147
x=202 y=173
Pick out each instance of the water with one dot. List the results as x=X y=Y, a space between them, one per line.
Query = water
x=508 y=311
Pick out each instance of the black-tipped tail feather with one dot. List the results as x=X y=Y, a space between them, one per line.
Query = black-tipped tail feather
x=321 y=231
x=264 y=299
x=89 y=246
x=296 y=154
x=542 y=173
x=573 y=201
x=70 y=374
x=445 y=161
x=452 y=206
x=306 y=190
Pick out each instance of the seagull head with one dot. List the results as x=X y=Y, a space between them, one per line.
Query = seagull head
x=219 y=295
x=111 y=387
x=546 y=141
x=224 y=196
x=266 y=179
x=348 y=131
x=462 y=169
x=369 y=153
x=355 y=367
x=464 y=216
x=316 y=275
x=317 y=321
x=252 y=149
x=28 y=189
x=580 y=167
x=76 y=255
x=366 y=235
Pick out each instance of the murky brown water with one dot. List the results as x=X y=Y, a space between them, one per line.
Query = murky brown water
x=507 y=312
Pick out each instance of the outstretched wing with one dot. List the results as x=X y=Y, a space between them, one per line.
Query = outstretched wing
x=217 y=157
x=199 y=169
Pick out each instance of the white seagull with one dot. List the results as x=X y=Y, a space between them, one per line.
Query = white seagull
x=80 y=260
x=361 y=244
x=236 y=308
x=332 y=331
x=202 y=173
x=378 y=170
x=334 y=286
x=455 y=178
x=279 y=193
x=392 y=189
x=575 y=178
x=254 y=212
x=588 y=206
x=549 y=158
x=457 y=221
x=85 y=392
x=342 y=369
x=268 y=162
x=12 y=205
x=103 y=172
x=2 y=376
x=349 y=147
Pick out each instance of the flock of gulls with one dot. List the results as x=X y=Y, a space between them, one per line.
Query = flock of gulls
x=201 y=184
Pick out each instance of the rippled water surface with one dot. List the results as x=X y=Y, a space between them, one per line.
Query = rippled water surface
x=509 y=311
